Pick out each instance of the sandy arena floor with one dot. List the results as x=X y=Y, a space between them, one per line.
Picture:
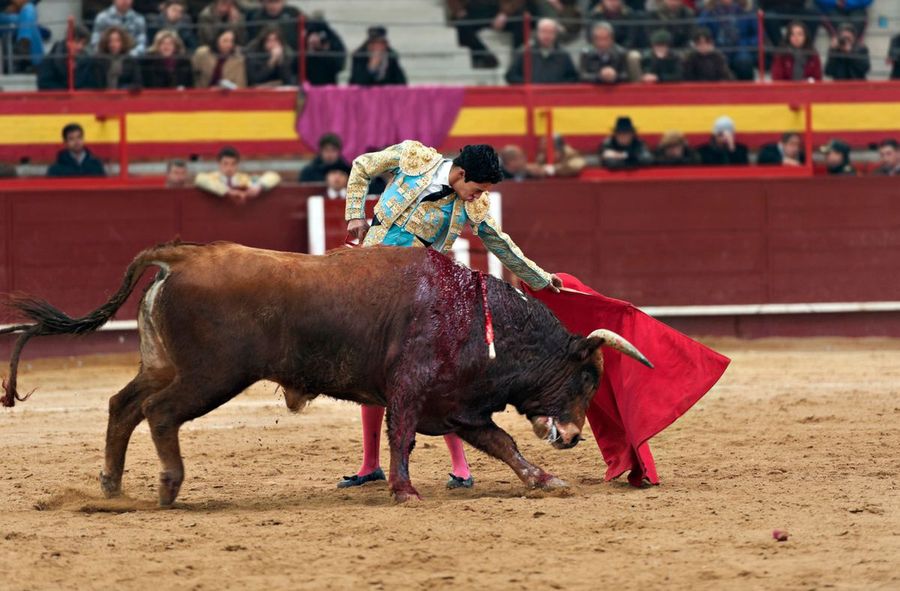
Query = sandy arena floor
x=799 y=435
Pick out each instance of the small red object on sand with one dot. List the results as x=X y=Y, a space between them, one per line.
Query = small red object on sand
x=780 y=535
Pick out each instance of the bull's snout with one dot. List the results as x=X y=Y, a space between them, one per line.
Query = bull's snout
x=560 y=435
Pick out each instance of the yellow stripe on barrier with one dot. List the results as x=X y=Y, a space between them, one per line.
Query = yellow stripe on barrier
x=684 y=118
x=486 y=121
x=856 y=117
x=47 y=129
x=205 y=126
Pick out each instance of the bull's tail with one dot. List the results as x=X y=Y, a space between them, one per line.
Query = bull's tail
x=49 y=320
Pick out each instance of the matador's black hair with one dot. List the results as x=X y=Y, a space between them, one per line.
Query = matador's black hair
x=481 y=163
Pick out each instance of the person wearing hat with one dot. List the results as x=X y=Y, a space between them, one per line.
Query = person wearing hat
x=837 y=158
x=428 y=203
x=660 y=63
x=674 y=150
x=705 y=63
x=723 y=149
x=623 y=149
x=376 y=63
x=787 y=152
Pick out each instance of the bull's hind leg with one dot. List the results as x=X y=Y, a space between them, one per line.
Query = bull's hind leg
x=124 y=415
x=167 y=410
x=496 y=442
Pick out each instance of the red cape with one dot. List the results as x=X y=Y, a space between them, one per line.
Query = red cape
x=633 y=402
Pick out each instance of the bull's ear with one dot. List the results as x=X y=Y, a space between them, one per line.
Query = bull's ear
x=582 y=349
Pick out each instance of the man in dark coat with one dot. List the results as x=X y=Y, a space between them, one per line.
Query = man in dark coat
x=376 y=63
x=327 y=158
x=75 y=159
x=623 y=149
x=705 y=63
x=723 y=149
x=549 y=63
x=847 y=59
x=53 y=72
x=787 y=152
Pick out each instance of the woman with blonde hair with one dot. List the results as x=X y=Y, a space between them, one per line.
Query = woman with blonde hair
x=165 y=65
x=114 y=67
x=221 y=64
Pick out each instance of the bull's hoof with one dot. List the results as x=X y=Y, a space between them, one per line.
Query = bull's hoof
x=111 y=487
x=169 y=486
x=407 y=493
x=552 y=483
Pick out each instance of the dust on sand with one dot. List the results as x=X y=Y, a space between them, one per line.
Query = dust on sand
x=801 y=436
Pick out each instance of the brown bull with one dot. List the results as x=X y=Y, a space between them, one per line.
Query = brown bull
x=402 y=328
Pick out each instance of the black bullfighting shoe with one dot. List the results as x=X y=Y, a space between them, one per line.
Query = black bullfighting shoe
x=357 y=480
x=457 y=482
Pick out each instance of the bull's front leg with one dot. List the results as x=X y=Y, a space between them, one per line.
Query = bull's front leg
x=496 y=442
x=402 y=418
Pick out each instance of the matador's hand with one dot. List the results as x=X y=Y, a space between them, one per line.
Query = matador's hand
x=555 y=284
x=358 y=229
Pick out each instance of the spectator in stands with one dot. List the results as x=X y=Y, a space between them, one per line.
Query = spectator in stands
x=470 y=16
x=218 y=16
x=21 y=17
x=172 y=16
x=515 y=166
x=328 y=157
x=848 y=58
x=837 y=158
x=889 y=163
x=837 y=12
x=674 y=150
x=8 y=171
x=270 y=61
x=116 y=69
x=336 y=182
x=220 y=65
x=75 y=159
x=623 y=149
x=165 y=64
x=177 y=176
x=797 y=59
x=733 y=29
x=53 y=73
x=676 y=18
x=278 y=13
x=550 y=64
x=787 y=152
x=325 y=53
x=660 y=63
x=231 y=184
x=779 y=13
x=705 y=63
x=120 y=14
x=893 y=58
x=376 y=63
x=723 y=149
x=604 y=62
x=567 y=161
x=628 y=32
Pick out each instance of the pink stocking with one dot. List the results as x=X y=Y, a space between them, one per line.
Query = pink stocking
x=372 y=417
x=457 y=456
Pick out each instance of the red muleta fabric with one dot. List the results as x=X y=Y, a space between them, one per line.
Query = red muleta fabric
x=634 y=402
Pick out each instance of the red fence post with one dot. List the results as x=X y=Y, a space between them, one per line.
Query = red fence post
x=301 y=49
x=70 y=59
x=761 y=44
x=526 y=47
x=808 y=137
x=123 y=147
x=548 y=137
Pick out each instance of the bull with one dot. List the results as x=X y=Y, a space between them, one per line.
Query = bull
x=397 y=327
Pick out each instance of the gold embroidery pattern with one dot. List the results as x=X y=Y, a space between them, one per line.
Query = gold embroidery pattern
x=365 y=168
x=375 y=236
x=416 y=158
x=502 y=246
x=478 y=209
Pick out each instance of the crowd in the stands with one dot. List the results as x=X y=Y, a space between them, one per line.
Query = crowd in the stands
x=241 y=43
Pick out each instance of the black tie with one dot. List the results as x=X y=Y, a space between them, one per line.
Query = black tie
x=446 y=190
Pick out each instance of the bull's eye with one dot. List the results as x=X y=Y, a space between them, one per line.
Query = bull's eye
x=588 y=381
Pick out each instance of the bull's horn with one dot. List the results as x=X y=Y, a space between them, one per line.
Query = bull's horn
x=614 y=341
